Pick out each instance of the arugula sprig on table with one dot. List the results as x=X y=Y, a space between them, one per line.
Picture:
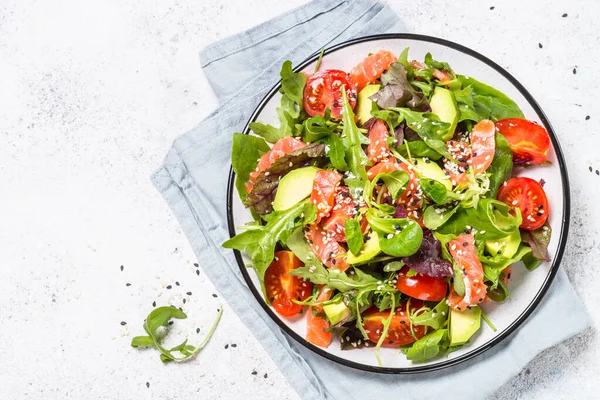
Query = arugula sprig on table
x=160 y=317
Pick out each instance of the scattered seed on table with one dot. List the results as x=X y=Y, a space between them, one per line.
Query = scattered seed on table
x=123 y=323
x=214 y=295
x=597 y=172
x=226 y=346
x=265 y=375
x=254 y=372
x=180 y=309
x=591 y=169
x=492 y=7
x=189 y=293
x=233 y=345
x=197 y=330
x=198 y=272
x=540 y=45
x=148 y=384
x=177 y=283
x=587 y=117
x=196 y=265
x=128 y=284
x=122 y=268
x=169 y=287
x=153 y=304
x=574 y=70
x=183 y=301
x=565 y=15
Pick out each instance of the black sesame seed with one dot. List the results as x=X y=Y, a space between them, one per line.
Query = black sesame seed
x=492 y=7
x=170 y=322
x=214 y=295
x=128 y=284
x=122 y=268
x=196 y=265
x=391 y=342
x=540 y=45
x=597 y=172
x=233 y=345
x=254 y=372
x=265 y=375
x=148 y=384
x=565 y=15
x=177 y=283
x=198 y=272
x=183 y=301
x=169 y=287
x=465 y=243
x=197 y=330
x=587 y=117
x=123 y=323
x=402 y=322
x=508 y=276
x=226 y=346
x=574 y=70
x=153 y=304
x=189 y=293
x=180 y=309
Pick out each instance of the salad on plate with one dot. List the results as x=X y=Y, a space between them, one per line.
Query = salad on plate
x=385 y=207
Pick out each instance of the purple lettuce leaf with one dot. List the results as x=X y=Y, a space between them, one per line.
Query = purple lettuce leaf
x=427 y=259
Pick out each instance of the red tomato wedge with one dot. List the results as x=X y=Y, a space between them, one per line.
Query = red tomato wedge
x=315 y=323
x=324 y=89
x=464 y=253
x=377 y=149
x=280 y=148
x=323 y=192
x=528 y=141
x=326 y=248
x=399 y=333
x=421 y=287
x=370 y=69
x=531 y=199
x=281 y=287
x=483 y=145
x=461 y=153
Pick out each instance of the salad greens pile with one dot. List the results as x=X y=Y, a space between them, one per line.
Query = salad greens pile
x=388 y=227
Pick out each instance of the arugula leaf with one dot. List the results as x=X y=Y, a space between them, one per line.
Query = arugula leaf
x=441 y=65
x=335 y=279
x=501 y=167
x=418 y=149
x=490 y=219
x=292 y=82
x=435 y=318
x=403 y=59
x=160 y=317
x=245 y=152
x=429 y=128
x=354 y=236
x=268 y=132
x=429 y=346
x=263 y=193
x=397 y=236
x=298 y=244
x=336 y=151
x=489 y=103
x=398 y=92
x=318 y=127
x=538 y=240
x=259 y=243
x=318 y=64
x=493 y=266
x=395 y=181
x=355 y=156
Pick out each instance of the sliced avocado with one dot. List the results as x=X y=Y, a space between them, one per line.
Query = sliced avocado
x=364 y=105
x=443 y=104
x=507 y=246
x=369 y=250
x=428 y=169
x=463 y=324
x=294 y=187
x=336 y=311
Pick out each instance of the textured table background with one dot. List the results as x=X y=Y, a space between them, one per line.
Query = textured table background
x=91 y=96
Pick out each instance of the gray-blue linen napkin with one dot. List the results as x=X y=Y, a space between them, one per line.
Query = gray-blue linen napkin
x=193 y=180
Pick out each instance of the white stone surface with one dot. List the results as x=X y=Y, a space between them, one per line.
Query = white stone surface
x=91 y=96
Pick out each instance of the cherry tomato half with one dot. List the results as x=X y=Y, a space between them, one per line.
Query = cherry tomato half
x=421 y=287
x=399 y=333
x=324 y=89
x=528 y=141
x=531 y=199
x=281 y=287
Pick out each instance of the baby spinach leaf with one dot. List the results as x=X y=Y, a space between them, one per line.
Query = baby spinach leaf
x=490 y=103
x=418 y=149
x=493 y=266
x=499 y=293
x=335 y=279
x=316 y=128
x=160 y=317
x=260 y=242
x=501 y=167
x=435 y=318
x=397 y=236
x=395 y=182
x=538 y=240
x=354 y=236
x=531 y=262
x=292 y=82
x=386 y=208
x=393 y=266
x=490 y=219
x=403 y=59
x=429 y=346
x=355 y=156
x=262 y=195
x=436 y=191
x=436 y=216
x=245 y=152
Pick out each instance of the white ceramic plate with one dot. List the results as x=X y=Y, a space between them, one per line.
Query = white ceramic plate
x=526 y=288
